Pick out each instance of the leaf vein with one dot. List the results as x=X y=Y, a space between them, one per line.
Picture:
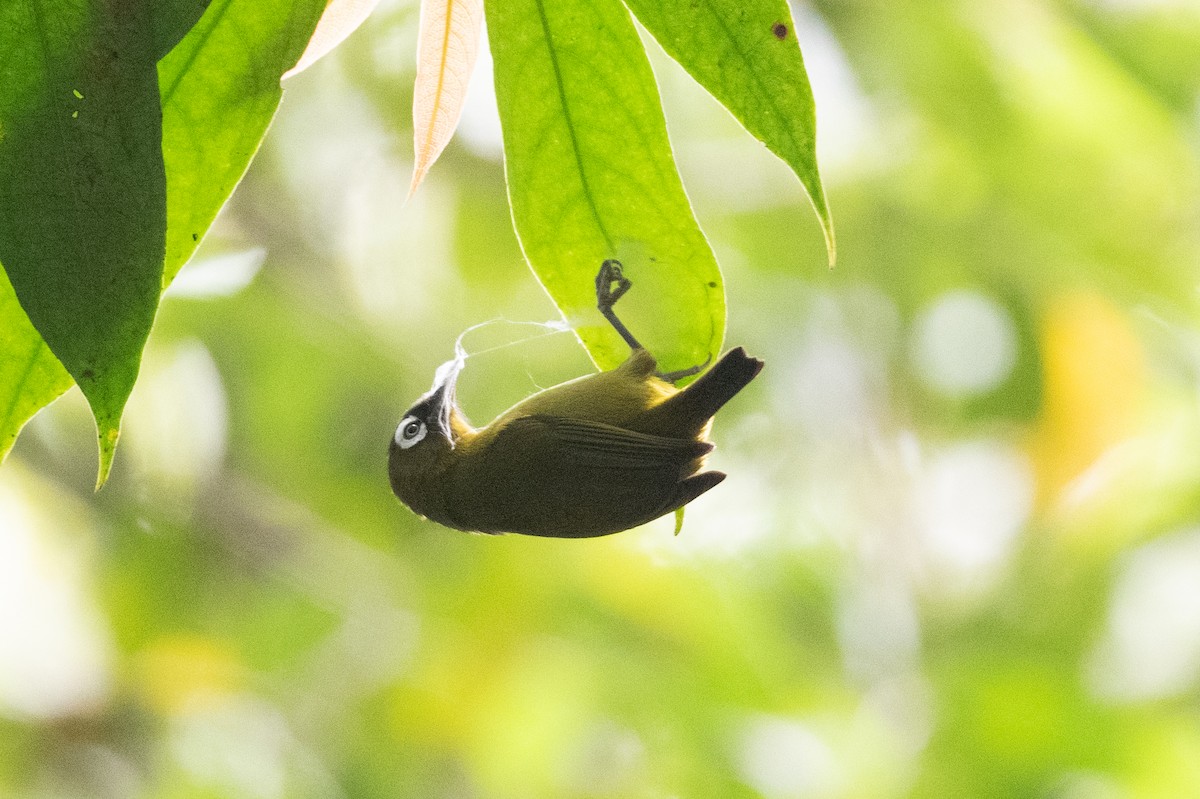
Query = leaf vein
x=166 y=93
x=18 y=387
x=569 y=122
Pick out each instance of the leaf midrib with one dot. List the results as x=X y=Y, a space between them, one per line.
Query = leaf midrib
x=570 y=125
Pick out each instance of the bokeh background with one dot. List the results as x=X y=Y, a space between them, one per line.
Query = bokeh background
x=958 y=553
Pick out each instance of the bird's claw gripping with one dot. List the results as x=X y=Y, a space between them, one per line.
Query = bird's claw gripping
x=606 y=295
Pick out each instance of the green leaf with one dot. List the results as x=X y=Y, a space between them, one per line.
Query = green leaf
x=745 y=53
x=82 y=189
x=172 y=21
x=30 y=376
x=591 y=176
x=220 y=89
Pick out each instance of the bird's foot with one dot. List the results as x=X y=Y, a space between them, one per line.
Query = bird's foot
x=606 y=294
x=611 y=286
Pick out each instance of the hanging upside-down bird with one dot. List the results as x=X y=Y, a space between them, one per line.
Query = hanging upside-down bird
x=589 y=457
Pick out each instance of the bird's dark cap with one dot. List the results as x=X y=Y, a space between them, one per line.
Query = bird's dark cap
x=434 y=406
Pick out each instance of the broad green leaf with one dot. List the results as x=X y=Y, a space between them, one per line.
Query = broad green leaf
x=30 y=376
x=220 y=89
x=591 y=176
x=446 y=50
x=82 y=189
x=744 y=52
x=172 y=21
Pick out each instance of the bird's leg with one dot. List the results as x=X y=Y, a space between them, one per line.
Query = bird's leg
x=679 y=374
x=607 y=296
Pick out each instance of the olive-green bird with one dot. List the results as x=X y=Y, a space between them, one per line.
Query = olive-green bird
x=590 y=457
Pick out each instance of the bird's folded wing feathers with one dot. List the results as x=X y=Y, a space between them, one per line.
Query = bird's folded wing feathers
x=603 y=445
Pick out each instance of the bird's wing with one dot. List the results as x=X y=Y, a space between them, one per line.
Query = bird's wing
x=597 y=445
x=549 y=475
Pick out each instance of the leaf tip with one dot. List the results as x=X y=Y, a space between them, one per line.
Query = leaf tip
x=816 y=195
x=340 y=19
x=830 y=239
x=419 y=173
x=107 y=438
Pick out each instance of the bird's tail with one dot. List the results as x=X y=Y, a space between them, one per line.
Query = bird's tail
x=692 y=407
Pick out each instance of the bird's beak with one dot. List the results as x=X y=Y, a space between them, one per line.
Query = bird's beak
x=441 y=397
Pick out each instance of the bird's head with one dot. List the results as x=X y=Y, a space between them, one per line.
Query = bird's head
x=424 y=442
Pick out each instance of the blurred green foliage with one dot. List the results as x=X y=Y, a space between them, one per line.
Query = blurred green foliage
x=958 y=553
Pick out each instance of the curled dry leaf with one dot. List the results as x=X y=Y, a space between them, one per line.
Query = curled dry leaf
x=446 y=50
x=341 y=18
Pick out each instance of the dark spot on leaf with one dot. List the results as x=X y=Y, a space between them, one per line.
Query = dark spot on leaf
x=780 y=31
x=712 y=284
x=195 y=237
x=87 y=374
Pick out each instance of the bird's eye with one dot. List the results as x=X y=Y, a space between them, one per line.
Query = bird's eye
x=410 y=431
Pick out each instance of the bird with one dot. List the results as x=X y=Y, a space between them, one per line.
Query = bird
x=593 y=456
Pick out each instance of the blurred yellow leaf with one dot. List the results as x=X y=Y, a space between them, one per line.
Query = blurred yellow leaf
x=446 y=48
x=176 y=671
x=341 y=18
x=1094 y=386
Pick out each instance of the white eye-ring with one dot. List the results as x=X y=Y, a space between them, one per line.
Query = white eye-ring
x=410 y=431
